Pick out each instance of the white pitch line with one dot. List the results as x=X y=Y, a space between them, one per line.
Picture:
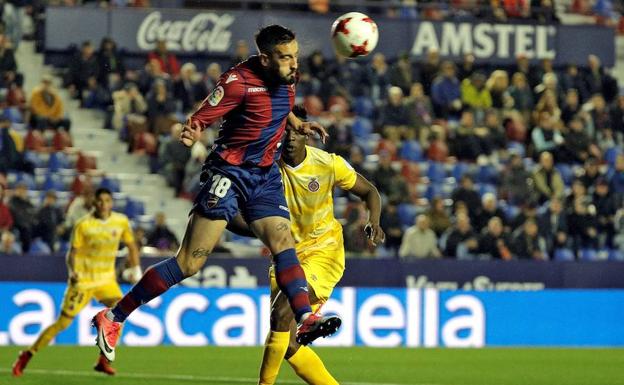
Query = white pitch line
x=178 y=377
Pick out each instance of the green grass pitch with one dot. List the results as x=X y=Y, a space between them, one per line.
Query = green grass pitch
x=351 y=366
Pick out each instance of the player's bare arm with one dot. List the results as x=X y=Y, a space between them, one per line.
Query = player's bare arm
x=366 y=191
x=133 y=272
x=307 y=128
x=70 y=260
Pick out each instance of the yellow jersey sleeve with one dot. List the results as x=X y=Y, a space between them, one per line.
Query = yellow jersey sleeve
x=77 y=239
x=127 y=235
x=344 y=174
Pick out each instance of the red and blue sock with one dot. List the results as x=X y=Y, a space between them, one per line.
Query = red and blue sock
x=292 y=282
x=156 y=280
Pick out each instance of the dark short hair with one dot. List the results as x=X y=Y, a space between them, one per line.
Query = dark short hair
x=300 y=112
x=270 y=36
x=102 y=190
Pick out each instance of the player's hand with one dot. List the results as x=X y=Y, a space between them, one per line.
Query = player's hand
x=191 y=131
x=73 y=277
x=310 y=128
x=375 y=233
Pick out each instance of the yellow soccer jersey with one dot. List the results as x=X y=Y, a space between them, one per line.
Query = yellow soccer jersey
x=308 y=188
x=96 y=242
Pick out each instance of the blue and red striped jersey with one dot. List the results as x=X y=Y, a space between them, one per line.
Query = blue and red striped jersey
x=254 y=115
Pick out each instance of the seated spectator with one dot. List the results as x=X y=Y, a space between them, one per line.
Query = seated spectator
x=467 y=67
x=49 y=221
x=495 y=131
x=402 y=73
x=497 y=85
x=516 y=184
x=577 y=146
x=94 y=95
x=494 y=243
x=547 y=180
x=527 y=243
x=489 y=209
x=571 y=106
x=391 y=226
x=173 y=156
x=167 y=62
x=356 y=159
x=466 y=193
x=23 y=213
x=606 y=207
x=355 y=238
x=394 y=116
x=8 y=65
x=382 y=176
x=419 y=241
x=160 y=108
x=150 y=73
x=213 y=74
x=47 y=107
x=591 y=174
x=522 y=95
x=189 y=89
x=583 y=226
x=110 y=61
x=341 y=140
x=8 y=245
x=547 y=102
x=578 y=191
x=192 y=170
x=78 y=208
x=241 y=52
x=419 y=107
x=6 y=219
x=553 y=227
x=430 y=69
x=471 y=141
x=377 y=77
x=11 y=23
x=545 y=136
x=572 y=79
x=161 y=236
x=11 y=159
x=617 y=117
x=445 y=92
x=599 y=113
x=83 y=66
x=599 y=82
x=129 y=109
x=474 y=94
x=616 y=178
x=438 y=218
x=460 y=240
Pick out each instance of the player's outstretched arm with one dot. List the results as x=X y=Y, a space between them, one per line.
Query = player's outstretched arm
x=369 y=194
x=69 y=260
x=307 y=128
x=239 y=227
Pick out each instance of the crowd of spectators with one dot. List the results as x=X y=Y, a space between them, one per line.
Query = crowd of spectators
x=472 y=160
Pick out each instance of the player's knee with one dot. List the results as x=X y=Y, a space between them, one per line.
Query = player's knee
x=281 y=318
x=293 y=346
x=281 y=242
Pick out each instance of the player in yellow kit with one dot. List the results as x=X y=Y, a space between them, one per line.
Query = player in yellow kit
x=91 y=269
x=309 y=176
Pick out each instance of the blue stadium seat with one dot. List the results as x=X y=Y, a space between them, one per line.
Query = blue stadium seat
x=511 y=211
x=410 y=150
x=564 y=255
x=436 y=172
x=485 y=188
x=53 y=182
x=611 y=155
x=616 y=255
x=134 y=208
x=407 y=214
x=22 y=177
x=588 y=255
x=487 y=174
x=111 y=184
x=35 y=158
x=57 y=161
x=39 y=247
x=364 y=107
x=434 y=190
x=567 y=174
x=459 y=170
x=362 y=127
x=516 y=148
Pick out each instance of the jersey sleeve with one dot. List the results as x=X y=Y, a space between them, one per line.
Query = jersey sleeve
x=227 y=95
x=126 y=232
x=344 y=174
x=77 y=238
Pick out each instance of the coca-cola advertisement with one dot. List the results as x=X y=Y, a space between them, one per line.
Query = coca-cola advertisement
x=215 y=33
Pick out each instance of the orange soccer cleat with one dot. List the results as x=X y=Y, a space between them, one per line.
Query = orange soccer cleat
x=104 y=366
x=107 y=334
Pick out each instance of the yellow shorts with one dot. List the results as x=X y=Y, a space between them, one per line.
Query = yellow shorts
x=77 y=297
x=322 y=271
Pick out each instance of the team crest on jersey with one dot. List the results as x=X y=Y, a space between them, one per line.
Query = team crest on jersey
x=314 y=185
x=215 y=96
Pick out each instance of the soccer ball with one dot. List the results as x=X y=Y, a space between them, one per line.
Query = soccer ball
x=354 y=34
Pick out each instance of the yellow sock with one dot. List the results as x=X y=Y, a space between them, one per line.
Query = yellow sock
x=274 y=350
x=310 y=368
x=50 y=332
